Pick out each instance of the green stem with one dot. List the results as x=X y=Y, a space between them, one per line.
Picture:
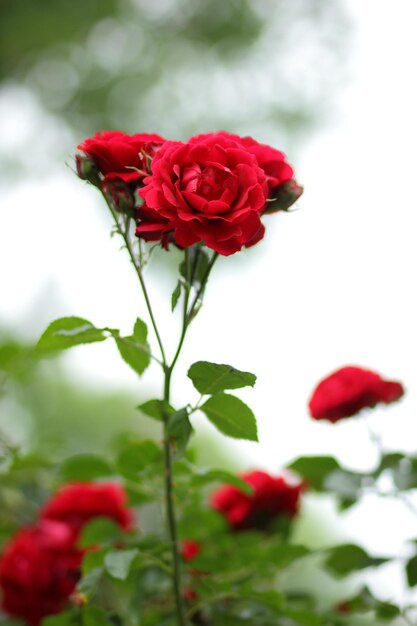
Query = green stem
x=203 y=284
x=170 y=508
x=129 y=248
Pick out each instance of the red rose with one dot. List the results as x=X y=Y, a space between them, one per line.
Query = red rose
x=39 y=570
x=273 y=162
x=118 y=156
x=349 y=390
x=271 y=497
x=209 y=190
x=78 y=503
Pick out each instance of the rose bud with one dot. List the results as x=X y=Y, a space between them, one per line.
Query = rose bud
x=285 y=196
x=87 y=170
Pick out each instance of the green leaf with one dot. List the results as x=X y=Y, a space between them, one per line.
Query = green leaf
x=411 y=571
x=90 y=581
x=346 y=485
x=66 y=332
x=100 y=530
x=347 y=558
x=93 y=559
x=315 y=469
x=138 y=456
x=118 y=562
x=271 y=598
x=175 y=296
x=157 y=409
x=387 y=611
x=85 y=467
x=231 y=416
x=140 y=331
x=179 y=429
x=209 y=378
x=303 y=617
x=94 y=616
x=67 y=618
x=204 y=477
x=134 y=354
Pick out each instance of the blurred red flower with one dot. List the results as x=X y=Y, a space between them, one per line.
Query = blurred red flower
x=272 y=496
x=349 y=390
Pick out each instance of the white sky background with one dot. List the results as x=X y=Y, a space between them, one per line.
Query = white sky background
x=332 y=284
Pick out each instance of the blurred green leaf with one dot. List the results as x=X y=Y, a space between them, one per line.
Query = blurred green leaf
x=347 y=558
x=94 y=616
x=411 y=571
x=90 y=581
x=204 y=477
x=119 y=562
x=99 y=531
x=66 y=332
x=231 y=416
x=85 y=467
x=138 y=456
x=66 y=618
x=315 y=469
x=210 y=378
x=179 y=429
x=175 y=295
x=157 y=409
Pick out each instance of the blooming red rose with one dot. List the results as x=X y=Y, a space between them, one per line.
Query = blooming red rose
x=118 y=156
x=273 y=162
x=272 y=497
x=78 y=503
x=209 y=190
x=39 y=570
x=349 y=390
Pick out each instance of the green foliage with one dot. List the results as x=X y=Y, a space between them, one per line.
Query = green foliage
x=139 y=457
x=411 y=571
x=231 y=416
x=210 y=378
x=67 y=332
x=135 y=350
x=175 y=295
x=179 y=430
x=348 y=558
x=119 y=562
x=85 y=467
x=157 y=409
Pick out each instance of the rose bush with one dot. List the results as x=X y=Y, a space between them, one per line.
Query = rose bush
x=350 y=389
x=272 y=496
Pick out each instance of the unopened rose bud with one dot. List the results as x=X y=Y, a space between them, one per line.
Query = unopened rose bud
x=122 y=197
x=87 y=170
x=284 y=196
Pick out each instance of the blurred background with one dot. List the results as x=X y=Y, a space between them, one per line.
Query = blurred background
x=329 y=82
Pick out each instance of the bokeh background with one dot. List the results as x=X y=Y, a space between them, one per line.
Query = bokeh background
x=331 y=83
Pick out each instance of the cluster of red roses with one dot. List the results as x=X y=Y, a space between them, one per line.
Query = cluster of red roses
x=214 y=188
x=41 y=566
